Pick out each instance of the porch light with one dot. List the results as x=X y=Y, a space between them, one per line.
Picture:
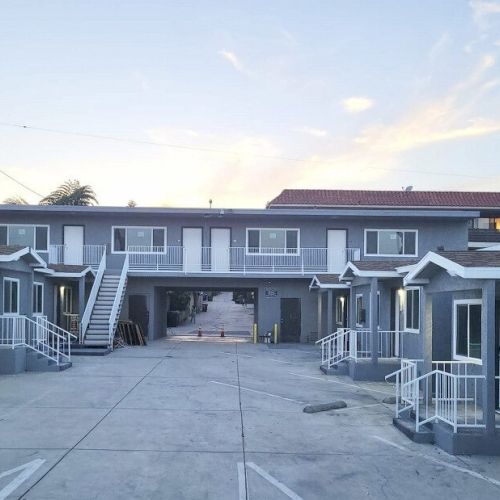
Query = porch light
x=401 y=297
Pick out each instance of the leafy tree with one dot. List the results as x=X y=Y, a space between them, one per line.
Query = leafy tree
x=71 y=193
x=15 y=200
x=131 y=204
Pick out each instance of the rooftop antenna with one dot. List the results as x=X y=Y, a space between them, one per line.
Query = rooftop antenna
x=408 y=188
x=210 y=202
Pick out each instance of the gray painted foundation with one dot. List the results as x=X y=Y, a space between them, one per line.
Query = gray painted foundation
x=12 y=360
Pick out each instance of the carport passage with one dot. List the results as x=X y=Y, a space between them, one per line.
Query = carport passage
x=165 y=421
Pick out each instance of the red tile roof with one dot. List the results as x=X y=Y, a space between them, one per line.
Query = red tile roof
x=348 y=198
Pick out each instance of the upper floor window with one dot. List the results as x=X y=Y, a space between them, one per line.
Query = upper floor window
x=273 y=241
x=25 y=235
x=490 y=223
x=37 y=298
x=467 y=329
x=140 y=239
x=391 y=242
x=412 y=310
x=10 y=296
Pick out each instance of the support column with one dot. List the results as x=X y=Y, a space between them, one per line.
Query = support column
x=81 y=297
x=320 y=312
x=351 y=320
x=329 y=313
x=426 y=329
x=374 y=319
x=488 y=350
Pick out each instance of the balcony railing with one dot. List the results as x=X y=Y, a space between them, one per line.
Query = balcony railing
x=87 y=255
x=239 y=260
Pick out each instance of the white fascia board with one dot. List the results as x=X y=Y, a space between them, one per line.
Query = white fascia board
x=349 y=267
x=44 y=270
x=379 y=274
x=314 y=283
x=21 y=253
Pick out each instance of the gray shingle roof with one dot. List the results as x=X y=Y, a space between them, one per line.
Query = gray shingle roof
x=473 y=258
x=10 y=249
x=66 y=268
x=383 y=265
x=329 y=279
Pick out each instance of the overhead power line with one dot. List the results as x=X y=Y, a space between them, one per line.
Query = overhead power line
x=216 y=151
x=21 y=184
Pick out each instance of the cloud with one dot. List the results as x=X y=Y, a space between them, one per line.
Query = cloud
x=439 y=46
x=315 y=132
x=357 y=104
x=482 y=10
x=232 y=58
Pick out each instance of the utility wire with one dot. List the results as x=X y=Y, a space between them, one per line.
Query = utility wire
x=217 y=151
x=20 y=183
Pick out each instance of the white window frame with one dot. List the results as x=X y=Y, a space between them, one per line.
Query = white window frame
x=402 y=255
x=358 y=295
x=405 y=305
x=459 y=357
x=138 y=227
x=41 y=285
x=273 y=229
x=34 y=226
x=15 y=280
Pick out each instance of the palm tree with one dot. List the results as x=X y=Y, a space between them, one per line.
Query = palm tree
x=71 y=193
x=15 y=200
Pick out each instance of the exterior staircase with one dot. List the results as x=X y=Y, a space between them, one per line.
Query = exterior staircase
x=99 y=328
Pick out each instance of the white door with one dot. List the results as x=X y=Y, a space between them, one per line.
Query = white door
x=73 y=245
x=336 y=253
x=191 y=241
x=220 y=239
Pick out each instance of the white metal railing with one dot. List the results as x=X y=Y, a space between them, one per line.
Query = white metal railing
x=91 y=255
x=237 y=260
x=449 y=393
x=357 y=344
x=92 y=298
x=40 y=335
x=115 y=310
x=405 y=376
x=334 y=347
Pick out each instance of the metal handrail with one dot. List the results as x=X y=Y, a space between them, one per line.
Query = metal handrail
x=117 y=300
x=92 y=298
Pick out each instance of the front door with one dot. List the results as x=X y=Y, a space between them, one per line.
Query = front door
x=138 y=311
x=336 y=250
x=220 y=239
x=192 y=241
x=290 y=320
x=73 y=245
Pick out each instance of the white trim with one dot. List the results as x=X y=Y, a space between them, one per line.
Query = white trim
x=453 y=268
x=456 y=356
x=366 y=274
x=138 y=227
x=21 y=253
x=36 y=284
x=407 y=289
x=14 y=280
x=316 y=283
x=397 y=255
x=34 y=226
x=273 y=229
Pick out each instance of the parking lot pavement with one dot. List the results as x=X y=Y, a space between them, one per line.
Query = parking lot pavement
x=215 y=420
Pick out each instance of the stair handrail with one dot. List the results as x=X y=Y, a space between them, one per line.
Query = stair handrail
x=92 y=298
x=117 y=300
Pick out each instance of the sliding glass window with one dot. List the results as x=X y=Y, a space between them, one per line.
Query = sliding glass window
x=266 y=241
x=25 y=235
x=139 y=239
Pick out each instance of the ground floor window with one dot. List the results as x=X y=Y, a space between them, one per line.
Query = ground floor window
x=467 y=329
x=37 y=298
x=360 y=311
x=412 y=310
x=10 y=296
x=339 y=310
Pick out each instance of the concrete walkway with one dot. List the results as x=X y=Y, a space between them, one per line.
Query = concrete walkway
x=187 y=419
x=222 y=312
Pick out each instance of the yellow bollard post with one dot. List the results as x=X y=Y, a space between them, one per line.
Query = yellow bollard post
x=275 y=333
x=254 y=333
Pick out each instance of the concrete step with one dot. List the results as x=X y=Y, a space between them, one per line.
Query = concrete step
x=407 y=426
x=36 y=362
x=86 y=350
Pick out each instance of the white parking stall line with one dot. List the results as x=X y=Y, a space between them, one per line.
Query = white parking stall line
x=259 y=392
x=277 y=484
x=27 y=469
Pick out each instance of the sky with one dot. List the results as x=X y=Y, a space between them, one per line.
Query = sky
x=175 y=103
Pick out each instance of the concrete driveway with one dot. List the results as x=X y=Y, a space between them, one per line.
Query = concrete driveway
x=189 y=419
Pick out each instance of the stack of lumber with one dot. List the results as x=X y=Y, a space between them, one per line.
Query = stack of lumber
x=131 y=333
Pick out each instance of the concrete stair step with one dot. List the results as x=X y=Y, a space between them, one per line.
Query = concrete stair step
x=407 y=426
